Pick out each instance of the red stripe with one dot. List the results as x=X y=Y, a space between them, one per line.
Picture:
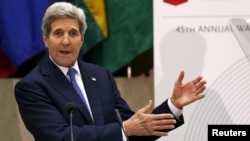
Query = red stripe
x=6 y=68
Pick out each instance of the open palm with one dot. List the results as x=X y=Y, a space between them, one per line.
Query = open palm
x=184 y=94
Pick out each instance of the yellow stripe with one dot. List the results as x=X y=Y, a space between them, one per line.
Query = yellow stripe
x=97 y=9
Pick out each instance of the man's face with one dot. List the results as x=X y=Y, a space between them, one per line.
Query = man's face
x=64 y=41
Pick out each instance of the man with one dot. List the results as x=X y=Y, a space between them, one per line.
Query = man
x=42 y=94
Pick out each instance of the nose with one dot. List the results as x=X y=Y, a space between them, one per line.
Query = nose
x=65 y=40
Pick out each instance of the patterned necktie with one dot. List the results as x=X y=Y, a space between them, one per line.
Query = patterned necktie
x=71 y=73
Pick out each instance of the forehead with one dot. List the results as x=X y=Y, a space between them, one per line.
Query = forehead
x=62 y=23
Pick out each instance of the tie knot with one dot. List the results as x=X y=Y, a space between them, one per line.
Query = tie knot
x=71 y=72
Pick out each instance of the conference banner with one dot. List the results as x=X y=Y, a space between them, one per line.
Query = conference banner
x=209 y=38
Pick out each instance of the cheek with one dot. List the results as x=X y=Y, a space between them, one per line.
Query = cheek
x=48 y=42
x=77 y=49
x=78 y=45
x=53 y=43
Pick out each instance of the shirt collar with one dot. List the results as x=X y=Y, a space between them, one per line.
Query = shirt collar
x=65 y=69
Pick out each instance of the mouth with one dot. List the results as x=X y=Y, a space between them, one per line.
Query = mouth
x=65 y=52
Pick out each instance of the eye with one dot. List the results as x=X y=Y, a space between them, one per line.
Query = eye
x=58 y=32
x=74 y=33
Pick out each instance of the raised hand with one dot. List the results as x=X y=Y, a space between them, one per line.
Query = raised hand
x=184 y=94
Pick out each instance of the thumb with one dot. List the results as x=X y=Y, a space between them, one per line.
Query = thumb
x=180 y=78
x=146 y=108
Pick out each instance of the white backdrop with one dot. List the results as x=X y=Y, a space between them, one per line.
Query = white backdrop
x=209 y=38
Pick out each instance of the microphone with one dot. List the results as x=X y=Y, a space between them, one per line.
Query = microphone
x=118 y=116
x=70 y=108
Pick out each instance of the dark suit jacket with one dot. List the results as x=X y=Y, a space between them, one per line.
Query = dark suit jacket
x=42 y=94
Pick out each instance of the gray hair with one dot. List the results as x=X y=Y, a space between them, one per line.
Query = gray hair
x=61 y=10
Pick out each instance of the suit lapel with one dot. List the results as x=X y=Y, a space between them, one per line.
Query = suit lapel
x=56 y=79
x=94 y=97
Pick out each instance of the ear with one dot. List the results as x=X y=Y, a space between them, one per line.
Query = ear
x=82 y=39
x=45 y=40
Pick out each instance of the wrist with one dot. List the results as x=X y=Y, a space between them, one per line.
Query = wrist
x=175 y=103
x=125 y=128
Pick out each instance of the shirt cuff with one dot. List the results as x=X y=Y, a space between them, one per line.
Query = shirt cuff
x=124 y=138
x=176 y=111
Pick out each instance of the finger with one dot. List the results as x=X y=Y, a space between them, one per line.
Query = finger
x=180 y=78
x=200 y=96
x=165 y=122
x=163 y=127
x=158 y=133
x=161 y=116
x=200 y=90
x=197 y=80
x=146 y=108
x=200 y=84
